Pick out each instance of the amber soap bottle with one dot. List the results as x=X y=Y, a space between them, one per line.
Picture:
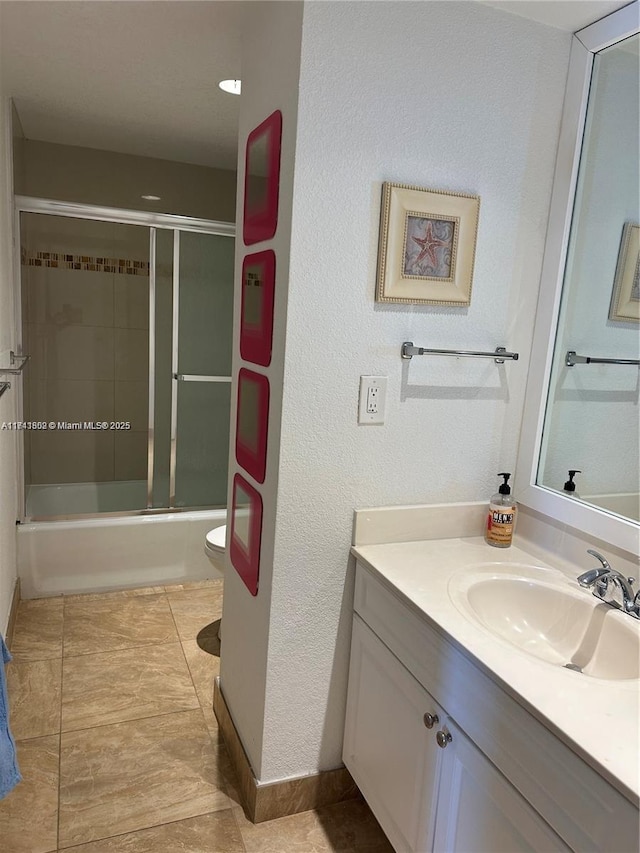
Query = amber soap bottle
x=501 y=519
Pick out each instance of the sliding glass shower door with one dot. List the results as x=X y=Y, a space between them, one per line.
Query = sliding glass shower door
x=85 y=324
x=129 y=325
x=203 y=323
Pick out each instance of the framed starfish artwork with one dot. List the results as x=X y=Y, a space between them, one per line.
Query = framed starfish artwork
x=427 y=245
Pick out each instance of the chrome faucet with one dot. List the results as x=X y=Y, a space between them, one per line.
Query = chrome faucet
x=589 y=578
x=604 y=581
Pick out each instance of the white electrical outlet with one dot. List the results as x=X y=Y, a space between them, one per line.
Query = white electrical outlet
x=373 y=393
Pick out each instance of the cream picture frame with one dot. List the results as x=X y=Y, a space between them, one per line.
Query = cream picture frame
x=625 y=299
x=426 y=246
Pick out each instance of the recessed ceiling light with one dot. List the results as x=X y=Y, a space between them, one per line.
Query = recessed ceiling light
x=151 y=197
x=231 y=86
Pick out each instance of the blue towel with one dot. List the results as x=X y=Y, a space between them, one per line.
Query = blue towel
x=9 y=773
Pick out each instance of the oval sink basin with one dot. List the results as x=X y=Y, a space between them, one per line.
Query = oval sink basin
x=556 y=624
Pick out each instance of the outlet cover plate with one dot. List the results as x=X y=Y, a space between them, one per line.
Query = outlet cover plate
x=372 y=400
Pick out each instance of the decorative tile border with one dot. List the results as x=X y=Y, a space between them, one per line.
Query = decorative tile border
x=87 y=263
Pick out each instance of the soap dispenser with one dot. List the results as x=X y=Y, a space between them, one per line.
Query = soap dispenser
x=502 y=516
x=570 y=486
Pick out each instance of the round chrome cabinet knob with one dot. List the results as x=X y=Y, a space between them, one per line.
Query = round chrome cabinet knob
x=443 y=738
x=430 y=720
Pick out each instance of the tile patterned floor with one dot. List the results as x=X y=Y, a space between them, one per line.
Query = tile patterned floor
x=118 y=746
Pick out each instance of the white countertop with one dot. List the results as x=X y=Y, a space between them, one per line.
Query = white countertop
x=598 y=719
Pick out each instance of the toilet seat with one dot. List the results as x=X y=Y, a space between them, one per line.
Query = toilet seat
x=216 y=539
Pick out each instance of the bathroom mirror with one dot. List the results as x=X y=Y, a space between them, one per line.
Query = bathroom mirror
x=582 y=409
x=591 y=422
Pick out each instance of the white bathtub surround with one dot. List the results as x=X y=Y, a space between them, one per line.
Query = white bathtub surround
x=102 y=554
x=625 y=504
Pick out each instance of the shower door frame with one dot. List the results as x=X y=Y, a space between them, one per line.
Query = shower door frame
x=154 y=222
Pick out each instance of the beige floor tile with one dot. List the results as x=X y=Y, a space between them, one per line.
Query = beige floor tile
x=347 y=827
x=135 y=775
x=34 y=697
x=203 y=668
x=210 y=722
x=355 y=821
x=211 y=833
x=38 y=630
x=101 y=625
x=124 y=685
x=29 y=814
x=194 y=609
x=300 y=833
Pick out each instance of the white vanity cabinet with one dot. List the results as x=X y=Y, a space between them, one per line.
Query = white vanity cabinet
x=500 y=782
x=388 y=749
x=480 y=811
x=426 y=796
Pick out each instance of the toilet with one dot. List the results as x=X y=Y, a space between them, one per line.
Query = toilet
x=214 y=546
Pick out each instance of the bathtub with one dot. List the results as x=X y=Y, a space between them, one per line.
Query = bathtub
x=102 y=554
x=626 y=504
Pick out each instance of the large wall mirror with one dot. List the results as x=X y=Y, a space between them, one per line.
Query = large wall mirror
x=582 y=408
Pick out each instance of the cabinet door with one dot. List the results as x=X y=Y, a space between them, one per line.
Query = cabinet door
x=480 y=811
x=388 y=749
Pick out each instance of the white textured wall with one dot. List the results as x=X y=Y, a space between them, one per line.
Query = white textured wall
x=594 y=419
x=270 y=69
x=438 y=94
x=8 y=440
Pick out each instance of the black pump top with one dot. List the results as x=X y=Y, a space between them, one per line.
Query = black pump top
x=505 y=489
x=570 y=486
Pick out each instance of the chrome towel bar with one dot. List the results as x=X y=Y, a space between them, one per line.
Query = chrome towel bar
x=499 y=355
x=571 y=359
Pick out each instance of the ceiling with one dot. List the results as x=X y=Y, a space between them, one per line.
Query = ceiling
x=134 y=77
x=571 y=15
x=140 y=76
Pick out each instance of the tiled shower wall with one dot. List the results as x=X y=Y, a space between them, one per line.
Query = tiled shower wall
x=85 y=303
